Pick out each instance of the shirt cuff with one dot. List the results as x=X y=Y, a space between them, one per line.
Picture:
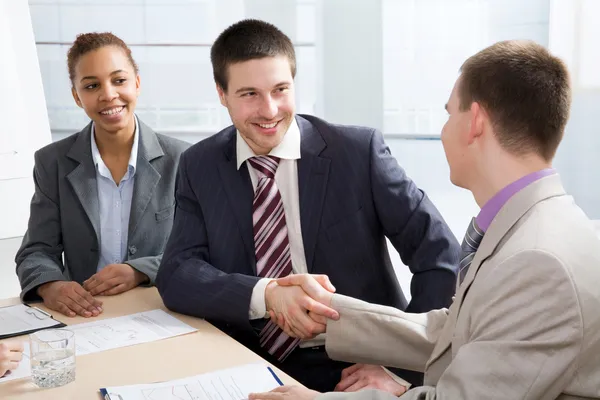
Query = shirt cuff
x=258 y=306
x=397 y=378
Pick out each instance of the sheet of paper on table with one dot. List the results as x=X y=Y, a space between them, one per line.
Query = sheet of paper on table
x=228 y=384
x=106 y=334
x=128 y=330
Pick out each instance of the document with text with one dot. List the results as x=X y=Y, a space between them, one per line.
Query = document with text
x=112 y=333
x=228 y=384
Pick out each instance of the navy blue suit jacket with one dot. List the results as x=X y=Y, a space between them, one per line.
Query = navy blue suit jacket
x=353 y=194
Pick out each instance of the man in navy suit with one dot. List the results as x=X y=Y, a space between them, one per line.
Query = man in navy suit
x=280 y=193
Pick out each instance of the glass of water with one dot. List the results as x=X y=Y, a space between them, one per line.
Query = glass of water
x=52 y=357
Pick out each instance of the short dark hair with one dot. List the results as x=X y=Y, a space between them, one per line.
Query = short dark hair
x=526 y=92
x=86 y=42
x=245 y=40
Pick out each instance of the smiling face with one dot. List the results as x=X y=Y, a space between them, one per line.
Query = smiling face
x=260 y=100
x=106 y=86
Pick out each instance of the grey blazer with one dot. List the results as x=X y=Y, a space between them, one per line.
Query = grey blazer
x=525 y=323
x=65 y=217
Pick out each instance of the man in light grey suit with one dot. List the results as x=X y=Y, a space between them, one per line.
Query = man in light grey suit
x=525 y=322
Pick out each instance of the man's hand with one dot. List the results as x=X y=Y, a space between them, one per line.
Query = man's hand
x=292 y=303
x=114 y=279
x=11 y=354
x=70 y=299
x=286 y=393
x=363 y=376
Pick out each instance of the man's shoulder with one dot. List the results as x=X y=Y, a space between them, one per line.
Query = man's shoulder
x=333 y=131
x=217 y=142
x=557 y=228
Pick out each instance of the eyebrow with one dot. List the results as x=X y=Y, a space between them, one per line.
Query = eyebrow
x=446 y=106
x=251 y=89
x=118 y=71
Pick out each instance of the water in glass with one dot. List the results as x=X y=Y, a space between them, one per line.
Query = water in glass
x=52 y=357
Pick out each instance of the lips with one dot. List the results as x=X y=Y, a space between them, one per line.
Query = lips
x=268 y=126
x=112 y=110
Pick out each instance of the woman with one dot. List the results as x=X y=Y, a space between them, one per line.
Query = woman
x=104 y=197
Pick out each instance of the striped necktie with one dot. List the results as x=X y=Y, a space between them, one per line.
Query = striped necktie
x=271 y=246
x=469 y=247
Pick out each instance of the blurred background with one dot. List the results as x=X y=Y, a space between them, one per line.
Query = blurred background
x=387 y=64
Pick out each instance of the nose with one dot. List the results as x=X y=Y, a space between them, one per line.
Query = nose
x=108 y=93
x=269 y=108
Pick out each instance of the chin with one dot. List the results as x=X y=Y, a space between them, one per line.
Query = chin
x=457 y=182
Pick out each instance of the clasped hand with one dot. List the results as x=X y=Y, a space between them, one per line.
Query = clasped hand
x=301 y=304
x=71 y=298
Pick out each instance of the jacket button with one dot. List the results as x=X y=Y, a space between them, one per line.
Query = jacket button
x=132 y=249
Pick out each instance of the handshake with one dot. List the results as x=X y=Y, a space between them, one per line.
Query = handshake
x=301 y=304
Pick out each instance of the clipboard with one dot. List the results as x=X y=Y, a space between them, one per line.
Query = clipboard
x=27 y=319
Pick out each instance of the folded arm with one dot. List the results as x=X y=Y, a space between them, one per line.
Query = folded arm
x=147 y=266
x=186 y=280
x=39 y=260
x=416 y=229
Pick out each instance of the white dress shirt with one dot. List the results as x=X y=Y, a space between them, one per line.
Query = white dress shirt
x=286 y=178
x=115 y=205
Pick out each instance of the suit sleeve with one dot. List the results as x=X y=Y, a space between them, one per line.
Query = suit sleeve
x=39 y=260
x=375 y=334
x=146 y=265
x=416 y=229
x=186 y=280
x=527 y=333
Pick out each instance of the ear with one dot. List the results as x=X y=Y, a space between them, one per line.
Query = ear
x=137 y=85
x=76 y=97
x=221 y=93
x=476 y=122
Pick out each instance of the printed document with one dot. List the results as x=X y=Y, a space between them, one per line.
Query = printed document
x=106 y=334
x=228 y=384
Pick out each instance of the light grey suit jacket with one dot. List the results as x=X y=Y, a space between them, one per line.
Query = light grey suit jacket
x=525 y=323
x=65 y=216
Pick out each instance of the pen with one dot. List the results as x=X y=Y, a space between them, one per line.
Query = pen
x=42 y=311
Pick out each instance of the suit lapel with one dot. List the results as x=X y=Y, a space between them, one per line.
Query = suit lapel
x=508 y=216
x=146 y=176
x=313 y=174
x=238 y=188
x=83 y=177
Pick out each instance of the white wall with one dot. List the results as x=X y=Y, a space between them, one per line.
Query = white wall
x=24 y=126
x=23 y=129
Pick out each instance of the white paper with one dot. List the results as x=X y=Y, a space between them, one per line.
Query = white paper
x=20 y=318
x=106 y=334
x=24 y=368
x=228 y=384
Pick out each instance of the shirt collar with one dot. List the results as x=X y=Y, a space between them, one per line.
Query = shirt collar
x=494 y=205
x=134 y=148
x=288 y=149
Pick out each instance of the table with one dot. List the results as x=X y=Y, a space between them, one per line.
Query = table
x=206 y=350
